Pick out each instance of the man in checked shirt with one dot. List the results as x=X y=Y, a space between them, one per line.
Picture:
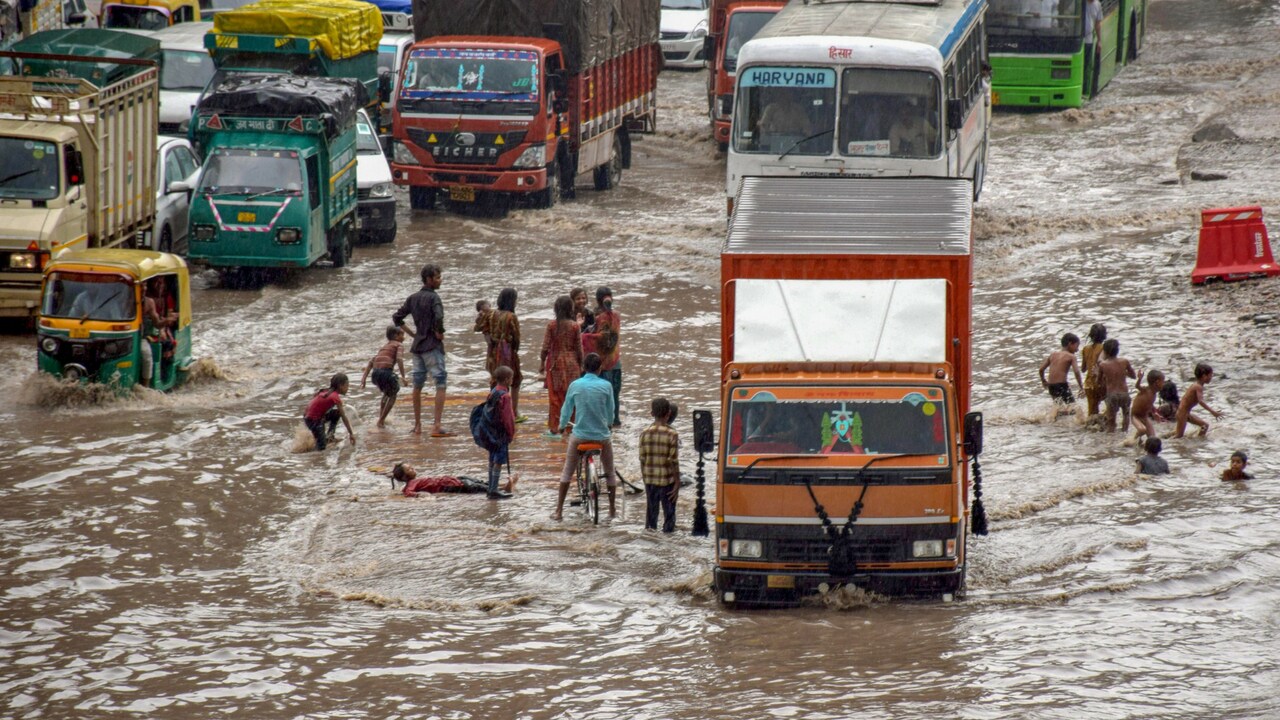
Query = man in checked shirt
x=660 y=466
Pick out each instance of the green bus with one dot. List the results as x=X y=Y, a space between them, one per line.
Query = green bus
x=1037 y=49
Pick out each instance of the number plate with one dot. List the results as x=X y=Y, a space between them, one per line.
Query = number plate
x=784 y=582
x=79 y=333
x=359 y=223
x=462 y=193
x=246 y=217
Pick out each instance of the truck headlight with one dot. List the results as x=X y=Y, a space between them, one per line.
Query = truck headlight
x=402 y=154
x=381 y=190
x=746 y=548
x=926 y=548
x=532 y=157
x=22 y=261
x=205 y=232
x=288 y=236
x=49 y=345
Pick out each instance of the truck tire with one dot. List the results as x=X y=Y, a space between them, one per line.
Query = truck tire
x=547 y=198
x=384 y=237
x=166 y=240
x=608 y=175
x=340 y=250
x=422 y=198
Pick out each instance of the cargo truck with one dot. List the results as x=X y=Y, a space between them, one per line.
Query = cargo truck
x=733 y=23
x=312 y=38
x=77 y=151
x=845 y=389
x=278 y=185
x=514 y=98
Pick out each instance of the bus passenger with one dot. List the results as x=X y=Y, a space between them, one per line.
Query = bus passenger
x=914 y=130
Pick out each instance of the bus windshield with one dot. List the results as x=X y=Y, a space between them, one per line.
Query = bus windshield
x=28 y=169
x=785 y=110
x=134 y=17
x=837 y=421
x=1051 y=18
x=742 y=27
x=251 y=171
x=892 y=113
x=85 y=296
x=185 y=70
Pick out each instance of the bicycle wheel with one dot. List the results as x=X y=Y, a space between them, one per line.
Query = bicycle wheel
x=582 y=483
x=593 y=489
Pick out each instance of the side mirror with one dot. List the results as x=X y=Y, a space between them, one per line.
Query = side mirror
x=955 y=115
x=385 y=141
x=76 y=18
x=384 y=86
x=973 y=434
x=561 y=104
x=74 y=166
x=709 y=48
x=181 y=186
x=559 y=83
x=704 y=432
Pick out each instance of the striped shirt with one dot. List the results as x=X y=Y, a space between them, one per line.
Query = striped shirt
x=659 y=455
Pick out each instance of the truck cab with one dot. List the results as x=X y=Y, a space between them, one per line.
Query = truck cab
x=732 y=25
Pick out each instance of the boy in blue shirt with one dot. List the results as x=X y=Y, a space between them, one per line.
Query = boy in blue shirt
x=589 y=402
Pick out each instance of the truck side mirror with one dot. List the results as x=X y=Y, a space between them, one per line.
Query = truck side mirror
x=704 y=432
x=76 y=18
x=973 y=434
x=384 y=86
x=74 y=166
x=709 y=48
x=559 y=83
x=955 y=115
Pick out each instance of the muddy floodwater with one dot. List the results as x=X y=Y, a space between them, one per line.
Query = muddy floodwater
x=172 y=556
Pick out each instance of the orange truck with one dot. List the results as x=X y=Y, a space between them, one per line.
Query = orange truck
x=515 y=98
x=733 y=23
x=846 y=436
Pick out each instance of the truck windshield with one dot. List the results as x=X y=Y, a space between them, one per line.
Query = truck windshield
x=246 y=172
x=28 y=169
x=84 y=296
x=785 y=110
x=891 y=113
x=742 y=27
x=134 y=17
x=185 y=70
x=473 y=80
x=837 y=421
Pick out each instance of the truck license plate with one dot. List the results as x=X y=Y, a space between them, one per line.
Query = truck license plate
x=462 y=193
x=247 y=217
x=782 y=582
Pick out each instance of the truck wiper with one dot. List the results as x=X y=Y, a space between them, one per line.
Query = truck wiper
x=17 y=175
x=802 y=141
x=255 y=196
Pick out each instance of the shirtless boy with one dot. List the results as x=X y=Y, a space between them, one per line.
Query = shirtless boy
x=1144 y=404
x=1116 y=372
x=1058 y=363
x=1191 y=398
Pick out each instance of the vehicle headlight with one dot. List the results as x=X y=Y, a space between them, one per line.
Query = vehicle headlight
x=288 y=236
x=1060 y=73
x=381 y=190
x=926 y=548
x=532 y=157
x=22 y=261
x=402 y=154
x=746 y=548
x=205 y=232
x=49 y=345
x=699 y=32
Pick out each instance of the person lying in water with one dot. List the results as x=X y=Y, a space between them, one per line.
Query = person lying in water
x=414 y=485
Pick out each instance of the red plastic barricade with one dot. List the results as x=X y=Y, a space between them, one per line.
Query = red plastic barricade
x=1233 y=246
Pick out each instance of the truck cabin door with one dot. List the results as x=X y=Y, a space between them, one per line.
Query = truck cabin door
x=315 y=208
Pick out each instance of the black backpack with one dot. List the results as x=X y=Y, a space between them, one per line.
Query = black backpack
x=486 y=427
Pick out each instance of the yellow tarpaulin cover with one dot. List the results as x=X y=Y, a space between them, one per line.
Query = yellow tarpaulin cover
x=343 y=28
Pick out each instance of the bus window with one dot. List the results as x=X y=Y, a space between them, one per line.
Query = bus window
x=785 y=110
x=892 y=113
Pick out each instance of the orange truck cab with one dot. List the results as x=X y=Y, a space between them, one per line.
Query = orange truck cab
x=482 y=113
x=733 y=23
x=846 y=436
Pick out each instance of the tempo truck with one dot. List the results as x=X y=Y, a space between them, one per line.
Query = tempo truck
x=278 y=185
x=845 y=389
x=77 y=151
x=516 y=97
x=733 y=24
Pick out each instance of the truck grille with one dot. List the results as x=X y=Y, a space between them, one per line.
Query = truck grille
x=463 y=148
x=466 y=179
x=866 y=550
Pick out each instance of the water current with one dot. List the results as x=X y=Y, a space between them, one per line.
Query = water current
x=171 y=556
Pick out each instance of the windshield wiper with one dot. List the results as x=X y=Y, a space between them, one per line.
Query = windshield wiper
x=265 y=193
x=802 y=141
x=15 y=176
x=98 y=307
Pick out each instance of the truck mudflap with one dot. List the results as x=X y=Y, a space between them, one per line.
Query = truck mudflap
x=764 y=588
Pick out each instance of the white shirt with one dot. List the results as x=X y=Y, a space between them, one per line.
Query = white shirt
x=1092 y=16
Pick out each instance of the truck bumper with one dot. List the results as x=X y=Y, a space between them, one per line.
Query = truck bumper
x=376 y=215
x=503 y=180
x=20 y=299
x=751 y=587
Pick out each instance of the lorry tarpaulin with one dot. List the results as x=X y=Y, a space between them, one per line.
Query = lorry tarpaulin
x=342 y=28
x=87 y=43
x=275 y=95
x=591 y=31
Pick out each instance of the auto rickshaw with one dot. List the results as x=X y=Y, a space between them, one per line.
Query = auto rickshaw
x=147 y=14
x=91 y=325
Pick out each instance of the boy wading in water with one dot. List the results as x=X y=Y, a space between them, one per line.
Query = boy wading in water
x=325 y=409
x=1116 y=372
x=1058 y=363
x=1191 y=398
x=1152 y=463
x=1089 y=356
x=1236 y=471
x=1144 y=404
x=384 y=377
x=660 y=466
x=507 y=418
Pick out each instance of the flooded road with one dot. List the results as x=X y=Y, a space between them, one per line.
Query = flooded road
x=172 y=556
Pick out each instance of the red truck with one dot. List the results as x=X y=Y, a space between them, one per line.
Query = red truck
x=733 y=23
x=846 y=435
x=515 y=98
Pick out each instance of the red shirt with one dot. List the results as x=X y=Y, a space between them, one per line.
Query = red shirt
x=506 y=415
x=321 y=403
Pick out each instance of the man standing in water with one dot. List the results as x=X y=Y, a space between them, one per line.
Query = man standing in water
x=428 y=345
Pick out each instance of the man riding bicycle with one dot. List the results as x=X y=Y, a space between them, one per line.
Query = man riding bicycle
x=589 y=402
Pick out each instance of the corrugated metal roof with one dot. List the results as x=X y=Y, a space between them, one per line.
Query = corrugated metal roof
x=838 y=215
x=929 y=23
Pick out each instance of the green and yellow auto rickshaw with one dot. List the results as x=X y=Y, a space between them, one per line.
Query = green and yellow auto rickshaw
x=94 y=326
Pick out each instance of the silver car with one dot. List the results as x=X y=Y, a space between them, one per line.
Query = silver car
x=175 y=161
x=684 y=32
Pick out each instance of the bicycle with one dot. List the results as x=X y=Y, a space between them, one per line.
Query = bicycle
x=590 y=473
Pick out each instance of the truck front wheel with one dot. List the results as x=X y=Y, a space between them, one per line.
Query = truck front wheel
x=547 y=197
x=340 y=247
x=608 y=176
x=422 y=198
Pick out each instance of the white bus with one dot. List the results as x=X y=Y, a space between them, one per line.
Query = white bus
x=864 y=89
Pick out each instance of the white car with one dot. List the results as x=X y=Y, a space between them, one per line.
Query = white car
x=185 y=69
x=175 y=161
x=376 y=200
x=684 y=32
